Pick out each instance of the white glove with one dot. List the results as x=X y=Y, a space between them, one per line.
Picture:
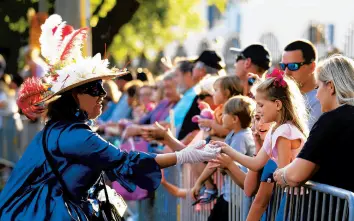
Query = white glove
x=191 y=154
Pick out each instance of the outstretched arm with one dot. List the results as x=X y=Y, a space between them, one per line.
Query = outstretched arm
x=252 y=163
x=225 y=162
x=163 y=135
x=172 y=189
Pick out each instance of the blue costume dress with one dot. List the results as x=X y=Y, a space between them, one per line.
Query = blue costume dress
x=34 y=193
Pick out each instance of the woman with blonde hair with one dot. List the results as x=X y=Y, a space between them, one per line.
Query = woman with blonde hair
x=328 y=154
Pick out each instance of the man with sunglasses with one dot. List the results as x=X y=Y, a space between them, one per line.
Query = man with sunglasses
x=251 y=63
x=299 y=62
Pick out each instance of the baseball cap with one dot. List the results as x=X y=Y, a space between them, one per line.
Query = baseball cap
x=258 y=54
x=210 y=58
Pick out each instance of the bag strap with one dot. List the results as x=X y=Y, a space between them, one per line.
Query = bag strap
x=52 y=164
x=104 y=187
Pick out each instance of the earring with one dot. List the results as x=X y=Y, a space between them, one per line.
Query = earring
x=90 y=122
x=77 y=113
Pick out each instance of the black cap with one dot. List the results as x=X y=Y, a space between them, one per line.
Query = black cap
x=258 y=54
x=210 y=58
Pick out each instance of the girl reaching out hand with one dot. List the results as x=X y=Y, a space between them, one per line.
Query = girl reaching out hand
x=279 y=100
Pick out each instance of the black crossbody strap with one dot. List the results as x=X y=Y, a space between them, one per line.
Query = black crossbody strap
x=52 y=164
x=104 y=187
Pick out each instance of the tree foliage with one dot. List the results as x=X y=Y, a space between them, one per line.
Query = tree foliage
x=128 y=27
x=155 y=24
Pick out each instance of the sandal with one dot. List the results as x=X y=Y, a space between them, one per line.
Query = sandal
x=208 y=196
x=201 y=192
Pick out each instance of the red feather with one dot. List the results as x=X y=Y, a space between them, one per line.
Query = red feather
x=67 y=30
x=30 y=94
x=81 y=33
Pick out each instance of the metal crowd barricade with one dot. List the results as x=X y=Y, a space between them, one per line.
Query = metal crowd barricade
x=313 y=201
x=197 y=212
x=16 y=133
x=239 y=204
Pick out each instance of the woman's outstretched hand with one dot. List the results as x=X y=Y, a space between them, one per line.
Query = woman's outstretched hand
x=195 y=153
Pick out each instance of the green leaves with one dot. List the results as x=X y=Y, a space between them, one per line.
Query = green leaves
x=18 y=26
x=155 y=24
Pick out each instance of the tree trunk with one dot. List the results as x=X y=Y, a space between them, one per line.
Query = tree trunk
x=110 y=25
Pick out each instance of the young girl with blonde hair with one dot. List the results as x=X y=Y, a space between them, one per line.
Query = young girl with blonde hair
x=279 y=100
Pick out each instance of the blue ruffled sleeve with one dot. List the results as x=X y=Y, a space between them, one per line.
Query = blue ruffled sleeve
x=82 y=145
x=139 y=169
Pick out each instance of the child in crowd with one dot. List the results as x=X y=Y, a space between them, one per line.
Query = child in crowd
x=237 y=115
x=279 y=100
x=225 y=87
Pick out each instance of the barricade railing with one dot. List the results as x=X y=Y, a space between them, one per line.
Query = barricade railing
x=312 y=201
x=239 y=204
x=16 y=132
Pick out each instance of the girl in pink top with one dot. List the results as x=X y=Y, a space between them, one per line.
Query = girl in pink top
x=279 y=100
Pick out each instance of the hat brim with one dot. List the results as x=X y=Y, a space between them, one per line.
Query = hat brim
x=69 y=87
x=236 y=50
x=216 y=66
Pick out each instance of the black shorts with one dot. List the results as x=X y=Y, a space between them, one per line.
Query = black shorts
x=220 y=211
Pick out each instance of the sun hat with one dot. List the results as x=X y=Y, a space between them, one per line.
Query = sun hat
x=61 y=47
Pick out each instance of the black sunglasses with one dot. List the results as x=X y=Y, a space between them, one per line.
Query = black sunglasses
x=203 y=96
x=94 y=89
x=293 y=66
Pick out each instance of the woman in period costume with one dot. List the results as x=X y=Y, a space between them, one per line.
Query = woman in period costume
x=54 y=178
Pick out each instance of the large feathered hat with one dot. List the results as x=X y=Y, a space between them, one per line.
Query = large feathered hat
x=61 y=46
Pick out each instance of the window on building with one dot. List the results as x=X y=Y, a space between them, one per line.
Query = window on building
x=269 y=40
x=213 y=15
x=230 y=56
x=317 y=34
x=349 y=42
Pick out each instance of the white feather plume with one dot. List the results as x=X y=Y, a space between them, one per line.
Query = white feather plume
x=83 y=69
x=51 y=43
x=75 y=47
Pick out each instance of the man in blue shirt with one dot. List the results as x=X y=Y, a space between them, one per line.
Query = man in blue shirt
x=299 y=62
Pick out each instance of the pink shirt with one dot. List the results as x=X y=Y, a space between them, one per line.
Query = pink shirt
x=288 y=131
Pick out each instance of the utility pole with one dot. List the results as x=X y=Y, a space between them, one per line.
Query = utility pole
x=77 y=14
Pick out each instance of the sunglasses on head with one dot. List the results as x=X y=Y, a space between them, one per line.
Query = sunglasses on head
x=203 y=96
x=240 y=57
x=293 y=66
x=94 y=89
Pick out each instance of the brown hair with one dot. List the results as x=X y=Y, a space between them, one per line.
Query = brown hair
x=241 y=106
x=231 y=84
x=293 y=104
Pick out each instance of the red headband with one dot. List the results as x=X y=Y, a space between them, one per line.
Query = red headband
x=278 y=75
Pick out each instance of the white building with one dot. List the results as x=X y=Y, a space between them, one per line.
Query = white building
x=326 y=23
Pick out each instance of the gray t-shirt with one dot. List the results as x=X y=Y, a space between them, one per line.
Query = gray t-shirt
x=242 y=142
x=313 y=107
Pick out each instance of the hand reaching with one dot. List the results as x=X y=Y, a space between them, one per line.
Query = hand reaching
x=222 y=161
x=223 y=146
x=155 y=132
x=194 y=154
x=195 y=190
